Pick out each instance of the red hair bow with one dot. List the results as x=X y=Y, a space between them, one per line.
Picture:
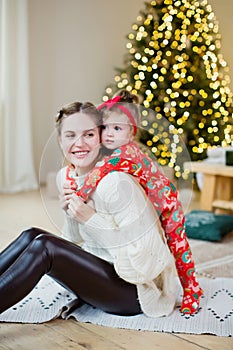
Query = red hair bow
x=110 y=103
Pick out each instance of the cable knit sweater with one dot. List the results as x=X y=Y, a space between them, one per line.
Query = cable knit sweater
x=126 y=231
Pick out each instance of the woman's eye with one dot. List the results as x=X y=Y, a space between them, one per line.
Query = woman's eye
x=117 y=128
x=69 y=136
x=89 y=134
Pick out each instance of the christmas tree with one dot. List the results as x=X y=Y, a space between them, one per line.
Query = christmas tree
x=173 y=63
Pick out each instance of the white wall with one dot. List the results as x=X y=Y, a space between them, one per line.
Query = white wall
x=74 y=47
x=223 y=10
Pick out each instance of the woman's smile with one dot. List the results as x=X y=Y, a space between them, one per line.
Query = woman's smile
x=80 y=154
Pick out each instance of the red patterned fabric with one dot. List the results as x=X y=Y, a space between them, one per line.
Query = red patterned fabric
x=164 y=197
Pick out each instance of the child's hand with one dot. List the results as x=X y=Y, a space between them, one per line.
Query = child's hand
x=79 y=210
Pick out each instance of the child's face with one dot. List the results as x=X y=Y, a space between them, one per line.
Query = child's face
x=116 y=130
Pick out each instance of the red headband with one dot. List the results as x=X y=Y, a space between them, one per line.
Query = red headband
x=114 y=102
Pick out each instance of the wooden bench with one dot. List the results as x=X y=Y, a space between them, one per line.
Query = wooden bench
x=217 y=192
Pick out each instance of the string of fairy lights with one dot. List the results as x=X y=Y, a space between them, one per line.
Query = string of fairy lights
x=175 y=66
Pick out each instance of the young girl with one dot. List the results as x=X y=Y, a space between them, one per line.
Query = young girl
x=120 y=119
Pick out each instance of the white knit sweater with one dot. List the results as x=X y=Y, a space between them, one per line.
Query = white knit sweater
x=126 y=232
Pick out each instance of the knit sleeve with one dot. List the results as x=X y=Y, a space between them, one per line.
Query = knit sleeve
x=60 y=178
x=70 y=229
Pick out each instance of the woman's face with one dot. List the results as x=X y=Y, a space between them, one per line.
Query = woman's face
x=80 y=141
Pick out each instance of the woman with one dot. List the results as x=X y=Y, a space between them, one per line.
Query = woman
x=124 y=266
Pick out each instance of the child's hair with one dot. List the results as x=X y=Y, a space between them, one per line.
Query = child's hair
x=78 y=107
x=126 y=96
x=129 y=101
x=132 y=104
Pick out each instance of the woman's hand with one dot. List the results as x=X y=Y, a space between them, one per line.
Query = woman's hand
x=66 y=195
x=79 y=210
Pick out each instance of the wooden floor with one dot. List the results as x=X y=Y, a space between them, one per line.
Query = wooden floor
x=20 y=211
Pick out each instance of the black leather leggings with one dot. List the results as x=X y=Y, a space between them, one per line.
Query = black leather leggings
x=36 y=253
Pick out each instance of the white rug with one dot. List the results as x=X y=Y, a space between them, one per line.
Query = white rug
x=49 y=300
x=214 y=258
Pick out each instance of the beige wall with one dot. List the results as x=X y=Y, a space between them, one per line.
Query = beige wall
x=223 y=10
x=74 y=47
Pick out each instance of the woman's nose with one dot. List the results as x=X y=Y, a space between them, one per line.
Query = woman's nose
x=79 y=141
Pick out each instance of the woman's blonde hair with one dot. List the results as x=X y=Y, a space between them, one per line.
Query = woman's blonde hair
x=78 y=107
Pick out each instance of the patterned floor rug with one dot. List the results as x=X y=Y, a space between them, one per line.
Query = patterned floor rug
x=49 y=300
x=214 y=258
